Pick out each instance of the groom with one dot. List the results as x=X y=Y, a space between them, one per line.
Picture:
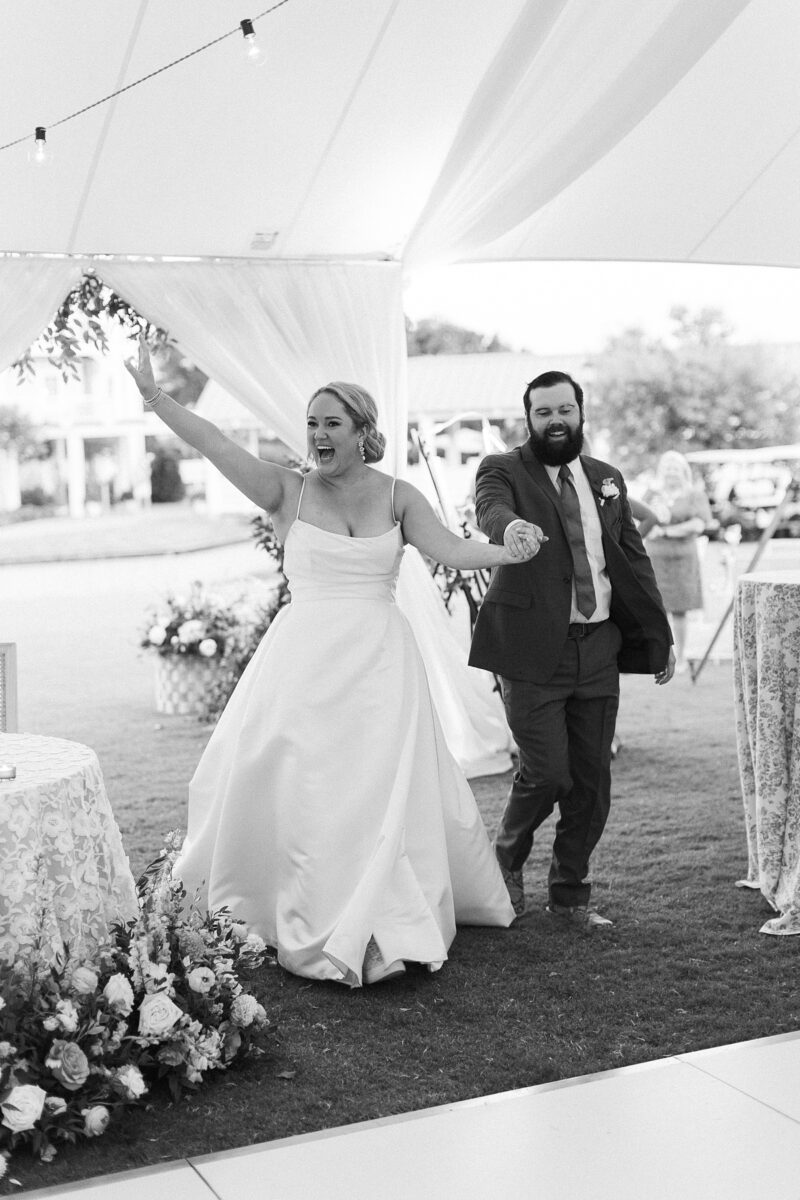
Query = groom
x=558 y=630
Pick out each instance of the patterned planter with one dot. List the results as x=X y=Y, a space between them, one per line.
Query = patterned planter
x=182 y=683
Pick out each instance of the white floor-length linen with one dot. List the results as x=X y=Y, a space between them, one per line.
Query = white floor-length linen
x=326 y=808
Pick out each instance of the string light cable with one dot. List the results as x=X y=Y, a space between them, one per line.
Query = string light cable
x=253 y=53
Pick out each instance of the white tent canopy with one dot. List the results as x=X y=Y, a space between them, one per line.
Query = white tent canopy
x=380 y=134
x=406 y=129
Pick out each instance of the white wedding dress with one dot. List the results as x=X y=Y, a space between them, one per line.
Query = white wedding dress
x=326 y=809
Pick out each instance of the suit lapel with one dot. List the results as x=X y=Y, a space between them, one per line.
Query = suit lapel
x=593 y=475
x=539 y=475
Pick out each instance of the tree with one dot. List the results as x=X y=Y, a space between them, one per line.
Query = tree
x=695 y=392
x=431 y=336
x=16 y=431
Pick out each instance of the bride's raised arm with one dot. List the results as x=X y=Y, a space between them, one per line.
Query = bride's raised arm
x=423 y=529
x=262 y=482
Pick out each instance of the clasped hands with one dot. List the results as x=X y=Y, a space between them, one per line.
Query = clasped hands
x=523 y=539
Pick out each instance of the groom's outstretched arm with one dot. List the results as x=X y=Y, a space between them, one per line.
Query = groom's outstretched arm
x=495 y=497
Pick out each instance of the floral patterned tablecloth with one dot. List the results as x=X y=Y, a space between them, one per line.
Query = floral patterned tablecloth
x=64 y=876
x=767 y=693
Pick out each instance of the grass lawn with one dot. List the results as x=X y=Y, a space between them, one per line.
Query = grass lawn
x=683 y=967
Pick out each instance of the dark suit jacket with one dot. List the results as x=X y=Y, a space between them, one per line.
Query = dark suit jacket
x=522 y=624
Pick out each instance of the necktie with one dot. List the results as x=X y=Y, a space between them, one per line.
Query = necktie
x=584 y=588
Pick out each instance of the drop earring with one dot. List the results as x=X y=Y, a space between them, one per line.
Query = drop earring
x=361 y=449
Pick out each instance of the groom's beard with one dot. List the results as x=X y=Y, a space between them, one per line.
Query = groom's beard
x=553 y=454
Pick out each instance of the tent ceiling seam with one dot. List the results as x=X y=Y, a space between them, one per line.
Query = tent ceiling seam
x=348 y=104
x=744 y=192
x=101 y=141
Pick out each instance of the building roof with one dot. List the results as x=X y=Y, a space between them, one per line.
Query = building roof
x=488 y=385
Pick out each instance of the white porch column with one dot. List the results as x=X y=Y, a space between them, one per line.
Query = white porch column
x=76 y=474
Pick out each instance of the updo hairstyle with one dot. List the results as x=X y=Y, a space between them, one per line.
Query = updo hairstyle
x=363 y=412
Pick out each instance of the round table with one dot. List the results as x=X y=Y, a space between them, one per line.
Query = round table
x=64 y=876
x=766 y=634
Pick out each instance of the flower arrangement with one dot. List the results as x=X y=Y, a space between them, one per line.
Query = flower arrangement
x=223 y=626
x=164 y=1000
x=197 y=624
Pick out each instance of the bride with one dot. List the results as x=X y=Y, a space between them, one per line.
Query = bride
x=326 y=810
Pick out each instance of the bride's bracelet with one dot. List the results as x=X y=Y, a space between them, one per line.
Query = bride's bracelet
x=160 y=395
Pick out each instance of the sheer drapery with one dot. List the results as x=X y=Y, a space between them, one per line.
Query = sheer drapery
x=31 y=290
x=271 y=333
x=572 y=79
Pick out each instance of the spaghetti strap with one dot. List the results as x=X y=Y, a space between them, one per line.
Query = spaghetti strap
x=300 y=499
x=394 y=518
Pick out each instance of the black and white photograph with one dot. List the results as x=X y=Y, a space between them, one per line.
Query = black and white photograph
x=400 y=599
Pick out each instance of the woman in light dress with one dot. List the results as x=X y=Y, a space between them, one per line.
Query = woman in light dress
x=683 y=512
x=326 y=811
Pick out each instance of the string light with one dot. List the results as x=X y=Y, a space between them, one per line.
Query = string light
x=254 y=55
x=42 y=152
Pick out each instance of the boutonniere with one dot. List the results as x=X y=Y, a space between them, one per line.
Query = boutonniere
x=608 y=491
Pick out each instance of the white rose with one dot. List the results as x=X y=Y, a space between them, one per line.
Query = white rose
x=3 y=1165
x=50 y=1024
x=55 y=1105
x=84 y=981
x=191 y=631
x=243 y=1010
x=201 y=980
x=2 y=1003
x=22 y=1107
x=156 y=635
x=67 y=1015
x=95 y=1120
x=130 y=1081
x=157 y=1014
x=119 y=994
x=208 y=648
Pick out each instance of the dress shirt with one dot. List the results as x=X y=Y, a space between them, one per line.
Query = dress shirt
x=593 y=536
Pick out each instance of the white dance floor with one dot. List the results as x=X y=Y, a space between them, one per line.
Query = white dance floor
x=719 y=1124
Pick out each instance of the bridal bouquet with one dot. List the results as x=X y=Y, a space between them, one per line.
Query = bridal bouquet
x=165 y=999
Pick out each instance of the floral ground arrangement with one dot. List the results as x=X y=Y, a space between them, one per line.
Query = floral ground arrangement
x=215 y=626
x=219 y=626
x=164 y=1004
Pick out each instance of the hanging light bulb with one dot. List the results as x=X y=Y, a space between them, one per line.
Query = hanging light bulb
x=40 y=152
x=253 y=53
